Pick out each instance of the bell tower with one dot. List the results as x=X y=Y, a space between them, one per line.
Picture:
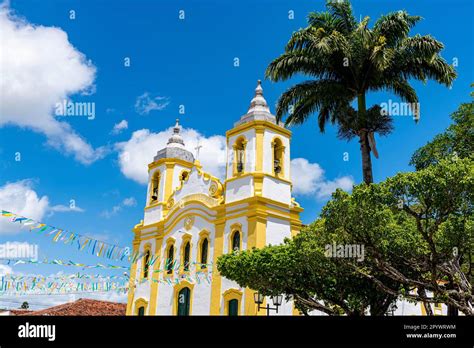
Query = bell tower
x=258 y=155
x=164 y=174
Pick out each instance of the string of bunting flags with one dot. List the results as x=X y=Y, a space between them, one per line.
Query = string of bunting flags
x=14 y=262
x=79 y=276
x=10 y=287
x=83 y=243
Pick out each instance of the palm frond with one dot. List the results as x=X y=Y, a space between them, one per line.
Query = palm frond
x=291 y=63
x=322 y=20
x=376 y=121
x=310 y=96
x=418 y=57
x=382 y=57
x=341 y=11
x=402 y=89
x=395 y=26
x=302 y=38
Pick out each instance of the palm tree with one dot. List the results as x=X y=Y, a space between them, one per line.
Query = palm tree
x=346 y=60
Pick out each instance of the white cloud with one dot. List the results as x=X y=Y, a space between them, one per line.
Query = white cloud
x=328 y=187
x=109 y=213
x=65 y=208
x=127 y=202
x=147 y=103
x=136 y=153
x=39 y=68
x=309 y=180
x=119 y=127
x=20 y=198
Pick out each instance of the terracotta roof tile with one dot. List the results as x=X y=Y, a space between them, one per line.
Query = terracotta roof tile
x=81 y=307
x=19 y=311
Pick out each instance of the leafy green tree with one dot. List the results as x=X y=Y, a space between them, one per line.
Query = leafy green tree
x=417 y=229
x=457 y=140
x=346 y=60
x=299 y=268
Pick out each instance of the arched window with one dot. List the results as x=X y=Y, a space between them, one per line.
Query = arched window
x=204 y=250
x=239 y=155
x=154 y=189
x=278 y=151
x=232 y=301
x=236 y=241
x=170 y=259
x=187 y=256
x=183 y=301
x=233 y=307
x=140 y=306
x=146 y=263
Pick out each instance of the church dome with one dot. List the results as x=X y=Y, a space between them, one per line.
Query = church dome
x=258 y=109
x=175 y=147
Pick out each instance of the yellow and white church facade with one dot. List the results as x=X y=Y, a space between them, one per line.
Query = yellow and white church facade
x=191 y=218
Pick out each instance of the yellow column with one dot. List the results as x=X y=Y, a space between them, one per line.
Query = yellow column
x=133 y=278
x=257 y=225
x=258 y=184
x=216 y=277
x=168 y=181
x=259 y=148
x=155 y=276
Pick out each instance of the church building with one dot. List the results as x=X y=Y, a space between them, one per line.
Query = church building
x=192 y=217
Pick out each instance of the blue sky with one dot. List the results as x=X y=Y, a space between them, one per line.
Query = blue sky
x=177 y=62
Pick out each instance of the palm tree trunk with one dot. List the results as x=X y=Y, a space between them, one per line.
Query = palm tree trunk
x=364 y=142
x=366 y=160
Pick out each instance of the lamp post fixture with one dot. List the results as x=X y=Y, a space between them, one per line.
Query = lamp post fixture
x=259 y=298
x=391 y=310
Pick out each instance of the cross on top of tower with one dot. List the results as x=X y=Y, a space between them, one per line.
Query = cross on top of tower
x=198 y=148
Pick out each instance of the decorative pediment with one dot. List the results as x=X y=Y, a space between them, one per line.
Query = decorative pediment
x=198 y=186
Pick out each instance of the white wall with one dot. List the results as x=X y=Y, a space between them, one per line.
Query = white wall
x=153 y=214
x=239 y=189
x=277 y=231
x=277 y=190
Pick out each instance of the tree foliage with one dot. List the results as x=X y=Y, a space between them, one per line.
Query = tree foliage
x=457 y=140
x=300 y=269
x=417 y=232
x=417 y=229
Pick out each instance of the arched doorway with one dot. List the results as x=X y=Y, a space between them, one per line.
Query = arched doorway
x=233 y=307
x=183 y=301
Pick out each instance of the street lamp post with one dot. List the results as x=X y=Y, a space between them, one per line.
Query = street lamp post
x=277 y=300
